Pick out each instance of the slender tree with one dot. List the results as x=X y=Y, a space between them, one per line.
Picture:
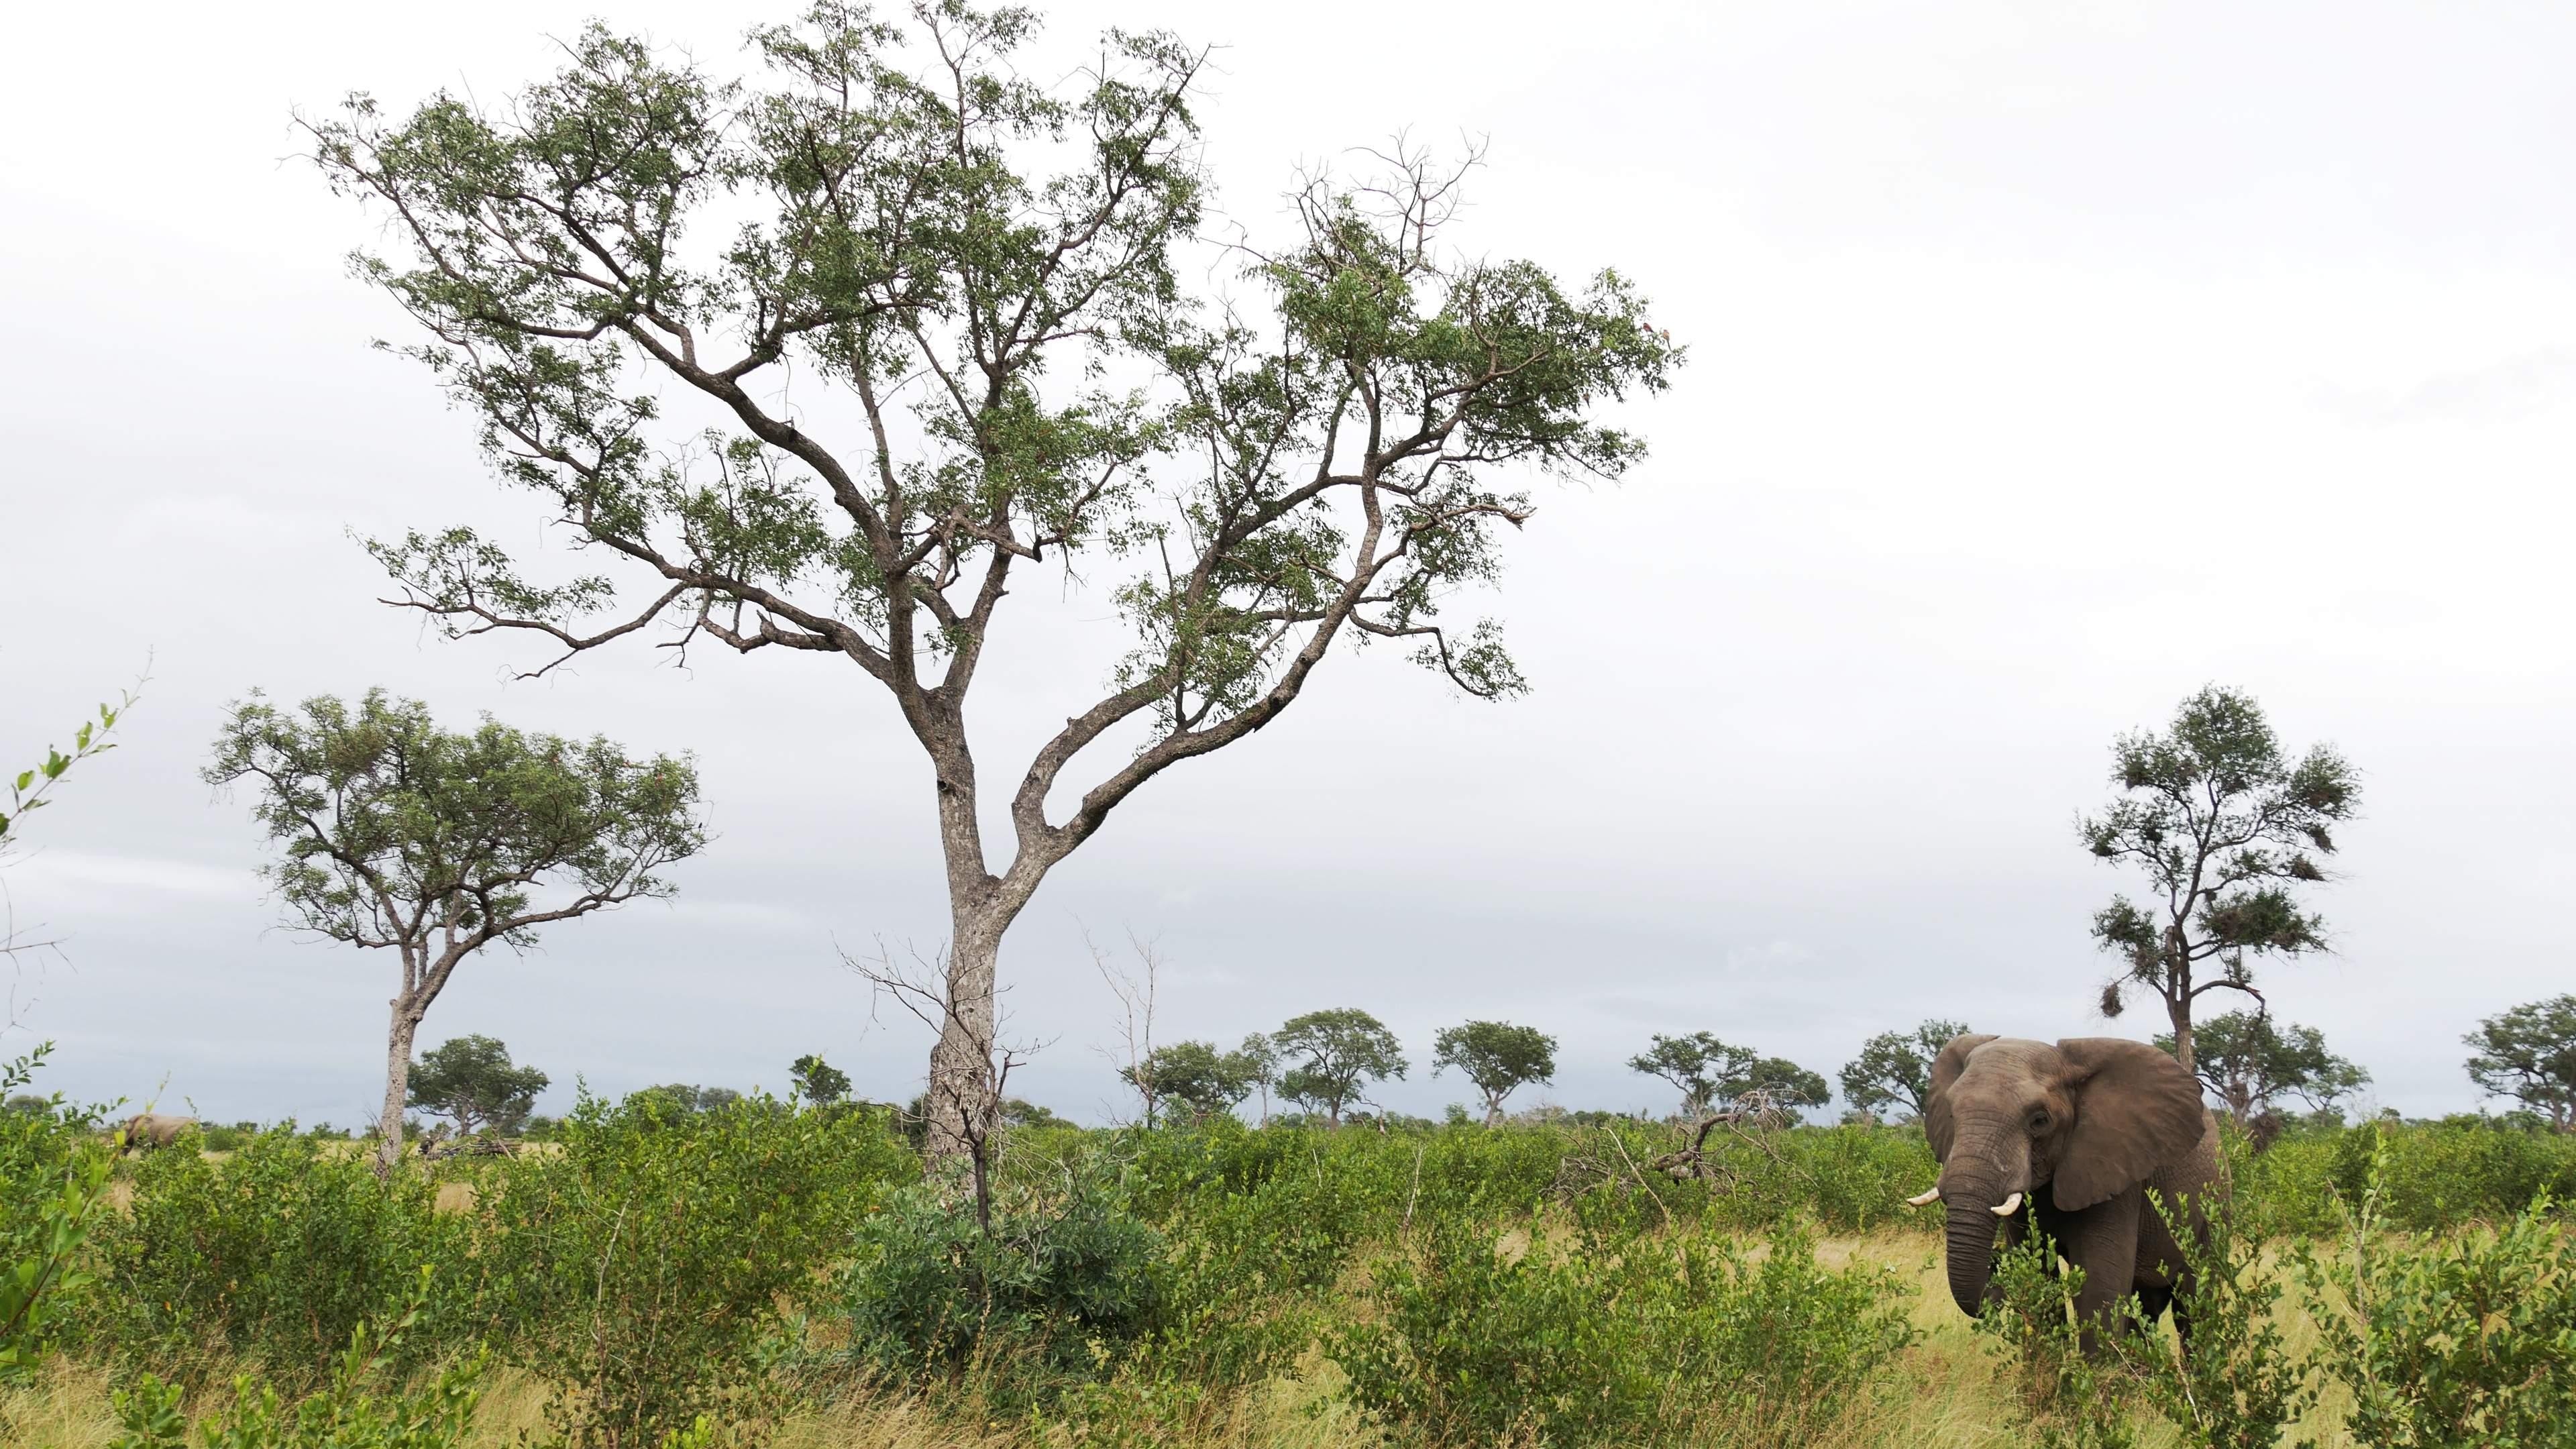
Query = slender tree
x=2225 y=827
x=2248 y=1063
x=2529 y=1054
x=1497 y=1056
x=400 y=835
x=1896 y=1067
x=1261 y=1058
x=471 y=1082
x=1338 y=1053
x=1318 y=467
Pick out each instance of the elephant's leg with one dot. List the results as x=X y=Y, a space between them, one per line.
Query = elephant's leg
x=2103 y=1241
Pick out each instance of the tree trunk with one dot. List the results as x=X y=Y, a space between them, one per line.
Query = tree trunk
x=398 y=1042
x=961 y=1107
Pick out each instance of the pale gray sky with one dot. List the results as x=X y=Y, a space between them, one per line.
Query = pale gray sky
x=2048 y=361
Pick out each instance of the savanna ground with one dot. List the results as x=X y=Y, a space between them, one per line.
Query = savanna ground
x=761 y=1275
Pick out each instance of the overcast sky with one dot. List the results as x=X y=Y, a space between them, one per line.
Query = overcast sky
x=2047 y=362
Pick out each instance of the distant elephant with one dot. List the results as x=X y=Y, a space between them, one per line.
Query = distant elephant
x=149 y=1130
x=2067 y=1139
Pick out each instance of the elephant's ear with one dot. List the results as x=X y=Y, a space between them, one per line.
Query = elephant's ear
x=1937 y=1126
x=2136 y=1109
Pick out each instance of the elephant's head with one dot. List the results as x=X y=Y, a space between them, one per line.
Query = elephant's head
x=2084 y=1120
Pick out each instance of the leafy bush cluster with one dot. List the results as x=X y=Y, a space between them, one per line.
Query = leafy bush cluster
x=676 y=1271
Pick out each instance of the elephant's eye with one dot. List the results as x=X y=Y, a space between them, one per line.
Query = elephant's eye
x=2039 y=1119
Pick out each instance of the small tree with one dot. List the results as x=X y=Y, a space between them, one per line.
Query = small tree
x=1195 y=1074
x=2247 y=1062
x=1339 y=1052
x=959 y=255
x=1896 y=1067
x=470 y=1082
x=1261 y=1058
x=400 y=835
x=1703 y=1067
x=32 y=790
x=2223 y=825
x=817 y=1081
x=1786 y=1083
x=1497 y=1057
x=2529 y=1054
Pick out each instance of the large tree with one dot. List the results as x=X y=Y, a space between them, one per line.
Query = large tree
x=2529 y=1054
x=976 y=282
x=1195 y=1074
x=1702 y=1067
x=1497 y=1056
x=431 y=844
x=1896 y=1067
x=2225 y=827
x=2247 y=1062
x=1337 y=1054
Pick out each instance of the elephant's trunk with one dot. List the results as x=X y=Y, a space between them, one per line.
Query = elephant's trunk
x=1971 y=1233
x=1986 y=1168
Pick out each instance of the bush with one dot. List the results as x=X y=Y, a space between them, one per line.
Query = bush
x=1634 y=1339
x=53 y=1179
x=273 y=1256
x=640 y=1268
x=1054 y=1290
x=2468 y=1341
x=355 y=1410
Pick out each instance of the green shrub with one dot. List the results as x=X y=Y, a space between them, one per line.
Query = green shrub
x=273 y=1255
x=2238 y=1387
x=1055 y=1289
x=355 y=1410
x=2465 y=1341
x=1628 y=1339
x=53 y=1180
x=2074 y=1398
x=640 y=1267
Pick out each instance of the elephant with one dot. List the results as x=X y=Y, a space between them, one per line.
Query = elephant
x=2066 y=1140
x=149 y=1130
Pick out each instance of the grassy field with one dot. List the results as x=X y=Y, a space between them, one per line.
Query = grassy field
x=1953 y=1389
x=762 y=1276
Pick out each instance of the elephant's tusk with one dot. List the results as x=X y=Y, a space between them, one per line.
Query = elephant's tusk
x=2008 y=1206
x=1926 y=1200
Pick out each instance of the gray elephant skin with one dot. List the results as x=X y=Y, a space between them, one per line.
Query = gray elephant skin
x=2066 y=1140
x=153 y=1129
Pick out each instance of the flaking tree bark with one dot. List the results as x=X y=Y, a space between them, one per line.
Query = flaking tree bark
x=1277 y=479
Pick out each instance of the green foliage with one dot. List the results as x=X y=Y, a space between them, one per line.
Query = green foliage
x=1061 y=1283
x=275 y=1256
x=639 y=1268
x=395 y=830
x=1709 y=1071
x=1497 y=1056
x=2238 y=1386
x=2529 y=1054
x=2075 y=1398
x=1338 y=1053
x=53 y=1184
x=1195 y=1075
x=470 y=1081
x=818 y=1081
x=2468 y=1341
x=2222 y=823
x=356 y=1409
x=1615 y=1338
x=1894 y=1068
x=32 y=787
x=2247 y=1061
